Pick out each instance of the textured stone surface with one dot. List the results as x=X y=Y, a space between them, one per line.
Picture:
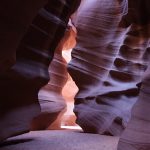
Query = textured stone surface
x=60 y=140
x=137 y=134
x=53 y=98
x=52 y=102
x=33 y=56
x=107 y=65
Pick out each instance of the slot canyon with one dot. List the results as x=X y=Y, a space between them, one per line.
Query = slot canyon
x=75 y=75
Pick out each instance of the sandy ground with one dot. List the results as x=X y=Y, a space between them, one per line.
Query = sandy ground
x=60 y=140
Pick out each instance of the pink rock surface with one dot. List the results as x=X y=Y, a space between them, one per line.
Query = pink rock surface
x=51 y=98
x=32 y=36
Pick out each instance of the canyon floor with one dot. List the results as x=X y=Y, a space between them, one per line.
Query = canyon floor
x=60 y=140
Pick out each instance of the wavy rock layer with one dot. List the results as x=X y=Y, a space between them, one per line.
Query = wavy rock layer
x=51 y=100
x=107 y=65
x=137 y=134
x=51 y=97
x=30 y=71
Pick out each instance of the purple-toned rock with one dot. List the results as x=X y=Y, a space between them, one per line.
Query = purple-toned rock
x=107 y=65
x=137 y=134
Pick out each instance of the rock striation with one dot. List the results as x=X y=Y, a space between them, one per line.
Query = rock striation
x=107 y=65
x=53 y=104
x=19 y=84
x=137 y=134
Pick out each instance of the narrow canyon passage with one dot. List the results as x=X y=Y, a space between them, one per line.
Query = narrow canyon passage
x=75 y=75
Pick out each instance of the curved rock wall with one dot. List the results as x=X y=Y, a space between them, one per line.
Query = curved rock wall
x=16 y=17
x=107 y=65
x=51 y=97
x=137 y=134
x=30 y=71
